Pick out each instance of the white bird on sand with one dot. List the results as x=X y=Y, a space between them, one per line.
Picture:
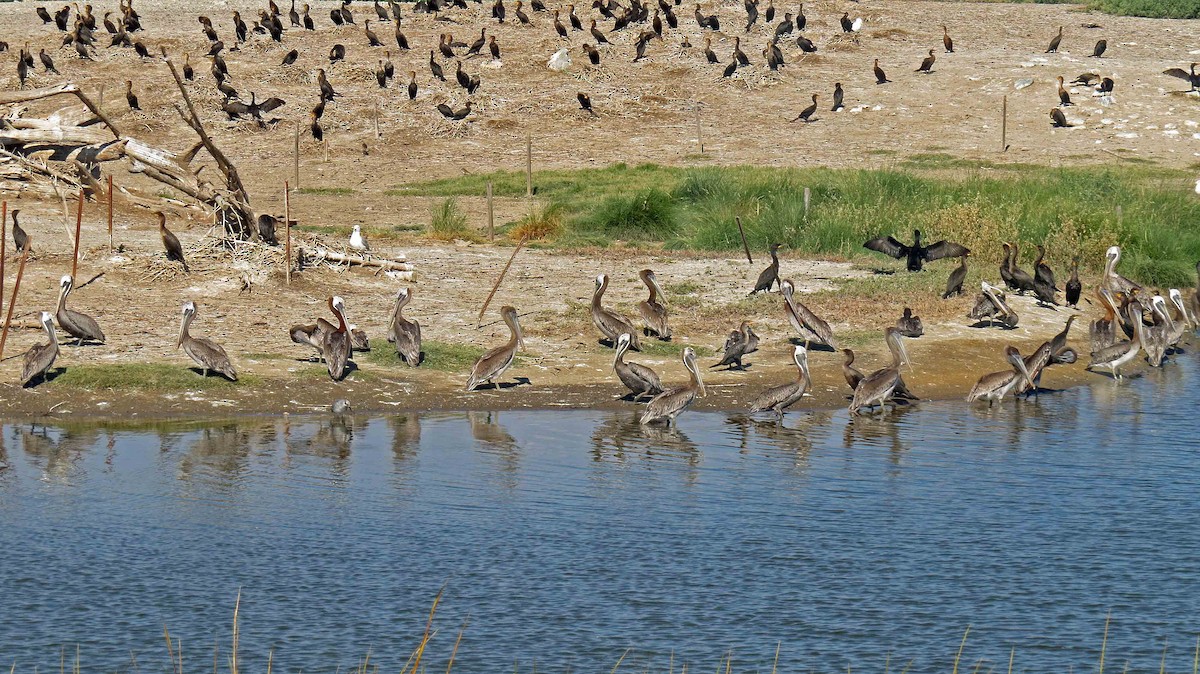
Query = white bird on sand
x=560 y=61
x=857 y=25
x=357 y=240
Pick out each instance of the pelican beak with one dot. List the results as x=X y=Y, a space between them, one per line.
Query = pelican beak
x=658 y=289
x=903 y=353
x=182 y=326
x=1019 y=362
x=520 y=333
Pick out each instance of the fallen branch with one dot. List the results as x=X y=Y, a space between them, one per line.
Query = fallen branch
x=384 y=264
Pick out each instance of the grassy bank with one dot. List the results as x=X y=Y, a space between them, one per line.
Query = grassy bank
x=1149 y=211
x=1154 y=9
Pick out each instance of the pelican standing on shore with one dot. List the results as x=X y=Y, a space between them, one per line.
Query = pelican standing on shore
x=405 y=333
x=206 y=353
x=493 y=363
x=609 y=323
x=877 y=388
x=1112 y=280
x=40 y=357
x=670 y=404
x=653 y=312
x=639 y=379
x=1123 y=352
x=335 y=340
x=76 y=324
x=779 y=398
x=994 y=386
x=809 y=325
x=991 y=305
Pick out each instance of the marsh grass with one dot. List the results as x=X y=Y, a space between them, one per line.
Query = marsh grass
x=654 y=347
x=326 y=191
x=440 y=356
x=448 y=222
x=1148 y=210
x=146 y=377
x=544 y=222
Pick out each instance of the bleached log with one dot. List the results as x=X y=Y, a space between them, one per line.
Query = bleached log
x=381 y=263
x=72 y=135
x=23 y=96
x=74 y=115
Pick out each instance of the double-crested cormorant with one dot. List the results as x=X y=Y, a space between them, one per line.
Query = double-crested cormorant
x=1058 y=120
x=401 y=38
x=585 y=102
x=435 y=67
x=337 y=53
x=47 y=62
x=522 y=17
x=327 y=92
x=493 y=363
x=1042 y=273
x=852 y=374
x=880 y=76
x=806 y=114
x=1064 y=97
x=456 y=115
x=916 y=255
x=1100 y=48
x=838 y=94
x=45 y=15
x=188 y=73
x=412 y=84
x=711 y=21
x=669 y=404
x=730 y=69
x=290 y=58
x=20 y=238
x=954 y=284
x=806 y=45
x=785 y=27
x=494 y=47
x=76 y=324
x=314 y=127
x=1053 y=48
x=1190 y=75
x=206 y=353
x=404 y=332
x=576 y=24
x=639 y=379
x=170 y=242
x=779 y=398
x=947 y=41
x=40 y=357
x=909 y=325
x=559 y=27
x=1106 y=86
x=478 y=45
x=927 y=64
x=372 y=38
x=1074 y=287
x=739 y=56
x=593 y=54
x=751 y=13
x=739 y=344
x=769 y=276
x=847 y=24
x=708 y=52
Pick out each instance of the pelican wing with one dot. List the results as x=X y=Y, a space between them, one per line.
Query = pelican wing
x=80 y=326
x=781 y=397
x=655 y=316
x=491 y=365
x=943 y=249
x=1110 y=353
x=210 y=355
x=992 y=385
x=887 y=245
x=408 y=340
x=875 y=389
x=38 y=359
x=814 y=324
x=668 y=404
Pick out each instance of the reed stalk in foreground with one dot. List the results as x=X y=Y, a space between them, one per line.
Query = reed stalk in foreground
x=1104 y=642
x=961 y=646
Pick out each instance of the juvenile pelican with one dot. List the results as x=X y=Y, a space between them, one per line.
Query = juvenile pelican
x=609 y=323
x=335 y=340
x=851 y=373
x=206 y=353
x=1123 y=352
x=1155 y=337
x=779 y=398
x=993 y=387
x=878 y=387
x=671 y=403
x=809 y=325
x=738 y=345
x=909 y=325
x=493 y=363
x=1112 y=280
x=639 y=379
x=769 y=276
x=405 y=333
x=654 y=313
x=78 y=325
x=40 y=357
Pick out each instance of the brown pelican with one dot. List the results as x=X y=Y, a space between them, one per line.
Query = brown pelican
x=75 y=324
x=170 y=241
x=809 y=325
x=1174 y=330
x=993 y=387
x=335 y=340
x=1195 y=304
x=609 y=323
x=1074 y=287
x=1053 y=352
x=916 y=254
x=1121 y=353
x=405 y=333
x=851 y=373
x=208 y=354
x=991 y=305
x=878 y=388
x=769 y=276
x=738 y=345
x=1155 y=337
x=1102 y=331
x=779 y=398
x=954 y=284
x=671 y=403
x=493 y=363
x=909 y=325
x=1186 y=317
x=654 y=313
x=641 y=380
x=1112 y=280
x=40 y=357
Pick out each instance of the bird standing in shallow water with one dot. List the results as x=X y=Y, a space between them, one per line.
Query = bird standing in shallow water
x=779 y=398
x=668 y=405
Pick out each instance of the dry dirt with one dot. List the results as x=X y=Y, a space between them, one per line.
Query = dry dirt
x=646 y=113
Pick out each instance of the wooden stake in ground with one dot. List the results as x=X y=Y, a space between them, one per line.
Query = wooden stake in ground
x=738 y=220
x=699 y=137
x=3 y=254
x=500 y=279
x=528 y=164
x=491 y=218
x=807 y=198
x=16 y=288
x=1004 y=125
x=110 y=210
x=287 y=229
x=296 y=157
x=78 y=228
x=326 y=143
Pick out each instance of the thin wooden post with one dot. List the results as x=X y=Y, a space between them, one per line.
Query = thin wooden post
x=3 y=253
x=13 y=301
x=110 y=214
x=377 y=118
x=807 y=198
x=528 y=164
x=287 y=229
x=491 y=217
x=745 y=245
x=296 y=158
x=1004 y=125
x=699 y=134
x=78 y=227
x=500 y=279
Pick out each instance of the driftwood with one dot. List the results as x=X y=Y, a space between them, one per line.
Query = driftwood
x=345 y=258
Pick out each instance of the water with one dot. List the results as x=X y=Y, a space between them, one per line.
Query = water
x=570 y=536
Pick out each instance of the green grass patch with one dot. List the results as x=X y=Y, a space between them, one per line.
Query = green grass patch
x=327 y=191
x=447 y=221
x=1149 y=210
x=146 y=377
x=654 y=347
x=441 y=356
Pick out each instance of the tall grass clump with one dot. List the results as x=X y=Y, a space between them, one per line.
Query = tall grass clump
x=543 y=222
x=447 y=221
x=1155 y=9
x=647 y=215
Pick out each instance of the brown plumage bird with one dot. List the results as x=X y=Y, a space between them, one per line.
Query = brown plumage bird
x=412 y=84
x=435 y=67
x=47 y=62
x=170 y=241
x=337 y=53
x=493 y=48
x=130 y=97
x=1064 y=97
x=290 y=58
x=927 y=63
x=1058 y=119
x=456 y=115
x=314 y=127
x=372 y=38
x=1053 y=48
x=880 y=76
x=585 y=102
x=947 y=41
x=592 y=53
x=1100 y=48
x=807 y=113
x=20 y=238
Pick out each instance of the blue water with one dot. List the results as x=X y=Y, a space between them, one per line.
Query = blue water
x=570 y=536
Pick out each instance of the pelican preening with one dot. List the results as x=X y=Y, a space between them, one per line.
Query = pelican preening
x=810 y=326
x=493 y=363
x=609 y=323
x=993 y=387
x=206 y=353
x=779 y=398
x=991 y=305
x=639 y=379
x=909 y=325
x=40 y=357
x=76 y=324
x=1121 y=353
x=335 y=340
x=669 y=404
x=1112 y=280
x=654 y=313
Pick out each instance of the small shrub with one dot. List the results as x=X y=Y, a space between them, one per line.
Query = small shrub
x=448 y=222
x=545 y=222
x=646 y=215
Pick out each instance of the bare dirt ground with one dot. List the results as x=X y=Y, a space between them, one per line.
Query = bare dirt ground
x=646 y=113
